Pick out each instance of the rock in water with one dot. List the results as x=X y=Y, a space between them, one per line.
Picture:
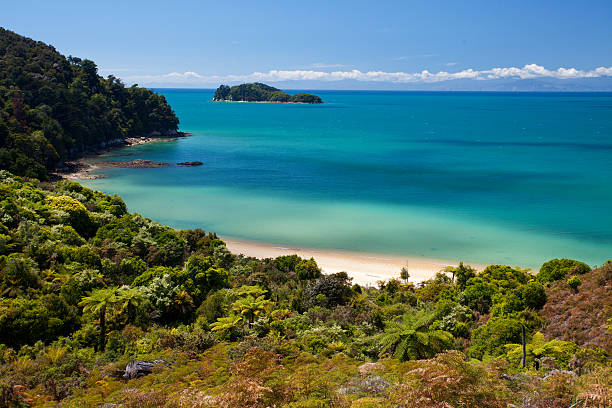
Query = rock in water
x=134 y=164
x=140 y=368
x=191 y=163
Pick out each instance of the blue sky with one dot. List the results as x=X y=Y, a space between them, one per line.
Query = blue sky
x=200 y=43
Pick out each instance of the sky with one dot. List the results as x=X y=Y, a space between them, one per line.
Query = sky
x=335 y=43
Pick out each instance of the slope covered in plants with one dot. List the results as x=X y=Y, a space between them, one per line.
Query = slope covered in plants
x=86 y=287
x=53 y=108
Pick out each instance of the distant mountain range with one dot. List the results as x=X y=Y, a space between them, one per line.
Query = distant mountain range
x=603 y=84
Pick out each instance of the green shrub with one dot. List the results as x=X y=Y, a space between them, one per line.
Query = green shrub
x=558 y=269
x=490 y=339
x=574 y=282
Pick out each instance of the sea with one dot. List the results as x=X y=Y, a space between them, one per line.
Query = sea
x=482 y=177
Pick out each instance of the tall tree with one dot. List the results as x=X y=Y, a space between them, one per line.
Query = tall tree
x=100 y=302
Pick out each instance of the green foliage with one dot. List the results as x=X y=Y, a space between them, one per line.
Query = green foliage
x=213 y=307
x=52 y=107
x=227 y=327
x=287 y=262
x=574 y=282
x=558 y=269
x=77 y=305
x=462 y=274
x=490 y=339
x=478 y=295
x=201 y=276
x=148 y=275
x=132 y=267
x=328 y=290
x=78 y=217
x=534 y=295
x=557 y=352
x=307 y=269
x=27 y=320
x=18 y=274
x=301 y=97
x=99 y=303
x=258 y=92
x=410 y=337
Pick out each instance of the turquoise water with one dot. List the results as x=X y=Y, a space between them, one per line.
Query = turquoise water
x=481 y=177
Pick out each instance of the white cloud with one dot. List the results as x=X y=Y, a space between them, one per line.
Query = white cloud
x=528 y=71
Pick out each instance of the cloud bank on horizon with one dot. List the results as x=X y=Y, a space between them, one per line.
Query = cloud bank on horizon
x=526 y=72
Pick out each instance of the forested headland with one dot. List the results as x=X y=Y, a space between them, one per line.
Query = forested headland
x=258 y=92
x=86 y=288
x=53 y=108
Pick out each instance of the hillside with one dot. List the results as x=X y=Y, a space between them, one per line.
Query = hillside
x=100 y=307
x=53 y=108
x=86 y=287
x=581 y=314
x=258 y=92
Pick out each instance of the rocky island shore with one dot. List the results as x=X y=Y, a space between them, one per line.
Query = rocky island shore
x=133 y=164
x=84 y=168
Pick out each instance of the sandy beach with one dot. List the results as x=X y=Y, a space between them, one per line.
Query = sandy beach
x=364 y=268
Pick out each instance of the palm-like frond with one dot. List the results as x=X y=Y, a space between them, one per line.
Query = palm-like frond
x=99 y=299
x=409 y=337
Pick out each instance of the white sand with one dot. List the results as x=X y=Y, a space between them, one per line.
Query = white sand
x=364 y=268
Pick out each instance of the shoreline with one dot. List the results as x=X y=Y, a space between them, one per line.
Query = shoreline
x=365 y=268
x=83 y=168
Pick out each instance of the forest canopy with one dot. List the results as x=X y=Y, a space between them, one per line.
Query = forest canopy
x=53 y=108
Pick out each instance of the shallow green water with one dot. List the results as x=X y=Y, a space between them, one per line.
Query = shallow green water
x=482 y=177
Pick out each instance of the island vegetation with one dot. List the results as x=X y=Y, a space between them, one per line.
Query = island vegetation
x=100 y=307
x=258 y=92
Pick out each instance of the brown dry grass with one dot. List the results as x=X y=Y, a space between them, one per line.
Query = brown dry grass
x=581 y=316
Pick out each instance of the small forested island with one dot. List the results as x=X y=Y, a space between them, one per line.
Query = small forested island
x=258 y=92
x=101 y=307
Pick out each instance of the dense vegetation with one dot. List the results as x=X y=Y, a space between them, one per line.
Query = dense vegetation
x=258 y=92
x=86 y=287
x=53 y=108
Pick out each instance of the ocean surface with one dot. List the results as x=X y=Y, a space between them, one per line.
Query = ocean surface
x=512 y=178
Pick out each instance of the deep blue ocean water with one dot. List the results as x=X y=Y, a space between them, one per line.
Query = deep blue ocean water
x=514 y=178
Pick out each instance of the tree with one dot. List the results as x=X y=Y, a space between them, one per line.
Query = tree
x=250 y=303
x=328 y=290
x=201 y=276
x=287 y=262
x=410 y=338
x=464 y=274
x=250 y=307
x=479 y=295
x=226 y=326
x=130 y=300
x=557 y=269
x=100 y=302
x=19 y=274
x=307 y=269
x=490 y=339
x=534 y=295
x=404 y=274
